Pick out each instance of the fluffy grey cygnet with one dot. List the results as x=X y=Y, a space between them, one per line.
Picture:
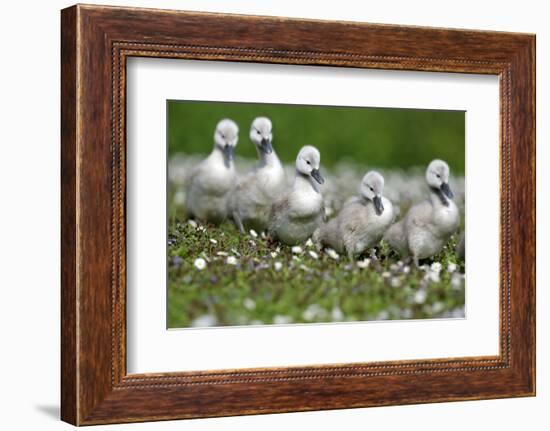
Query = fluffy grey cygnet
x=298 y=212
x=249 y=203
x=362 y=221
x=210 y=181
x=428 y=225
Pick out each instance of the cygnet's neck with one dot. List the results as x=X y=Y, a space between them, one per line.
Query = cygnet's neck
x=305 y=182
x=218 y=158
x=268 y=160
x=438 y=198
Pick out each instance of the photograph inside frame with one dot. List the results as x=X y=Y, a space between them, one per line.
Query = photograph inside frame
x=301 y=214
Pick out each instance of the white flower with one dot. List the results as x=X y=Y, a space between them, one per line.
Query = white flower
x=433 y=276
x=282 y=320
x=222 y=253
x=296 y=249
x=231 y=260
x=451 y=267
x=314 y=311
x=436 y=267
x=253 y=233
x=363 y=263
x=313 y=254
x=200 y=263
x=249 y=304
x=309 y=243
x=395 y=282
x=337 y=314
x=438 y=307
x=406 y=269
x=201 y=228
x=204 y=320
x=456 y=281
x=273 y=254
x=383 y=315
x=386 y=274
x=278 y=266
x=179 y=198
x=304 y=268
x=213 y=241
x=234 y=251
x=192 y=223
x=332 y=254
x=420 y=296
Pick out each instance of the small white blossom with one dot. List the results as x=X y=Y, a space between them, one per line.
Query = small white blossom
x=332 y=254
x=420 y=296
x=438 y=307
x=363 y=263
x=296 y=249
x=222 y=253
x=249 y=304
x=436 y=267
x=273 y=254
x=231 y=260
x=309 y=243
x=456 y=280
x=278 y=266
x=200 y=263
x=386 y=274
x=433 y=276
x=179 y=198
x=282 y=320
x=304 y=268
x=314 y=311
x=313 y=255
x=406 y=269
x=204 y=320
x=337 y=314
x=253 y=233
x=234 y=251
x=192 y=223
x=395 y=282
x=201 y=228
x=451 y=267
x=213 y=241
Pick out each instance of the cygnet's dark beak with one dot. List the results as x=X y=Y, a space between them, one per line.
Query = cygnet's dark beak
x=266 y=146
x=378 y=206
x=446 y=190
x=317 y=176
x=228 y=155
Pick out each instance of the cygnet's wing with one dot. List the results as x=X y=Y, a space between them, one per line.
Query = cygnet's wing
x=419 y=216
x=278 y=212
x=353 y=217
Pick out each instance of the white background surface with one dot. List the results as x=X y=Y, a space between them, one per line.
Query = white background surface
x=29 y=228
x=151 y=348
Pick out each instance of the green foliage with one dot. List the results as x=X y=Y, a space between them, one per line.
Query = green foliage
x=380 y=137
x=304 y=289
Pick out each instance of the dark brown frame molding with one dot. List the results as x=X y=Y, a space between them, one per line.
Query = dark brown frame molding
x=95 y=43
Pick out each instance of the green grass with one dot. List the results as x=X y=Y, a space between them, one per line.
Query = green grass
x=305 y=290
x=385 y=138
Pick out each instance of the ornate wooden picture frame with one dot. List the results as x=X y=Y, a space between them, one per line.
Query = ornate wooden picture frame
x=96 y=41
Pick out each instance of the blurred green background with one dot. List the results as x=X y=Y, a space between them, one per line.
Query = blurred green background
x=379 y=137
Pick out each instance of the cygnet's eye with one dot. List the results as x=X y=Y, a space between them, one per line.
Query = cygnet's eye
x=371 y=189
x=438 y=176
x=308 y=162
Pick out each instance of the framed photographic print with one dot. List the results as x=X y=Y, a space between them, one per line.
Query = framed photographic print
x=268 y=215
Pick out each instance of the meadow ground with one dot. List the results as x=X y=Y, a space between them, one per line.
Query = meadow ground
x=217 y=276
